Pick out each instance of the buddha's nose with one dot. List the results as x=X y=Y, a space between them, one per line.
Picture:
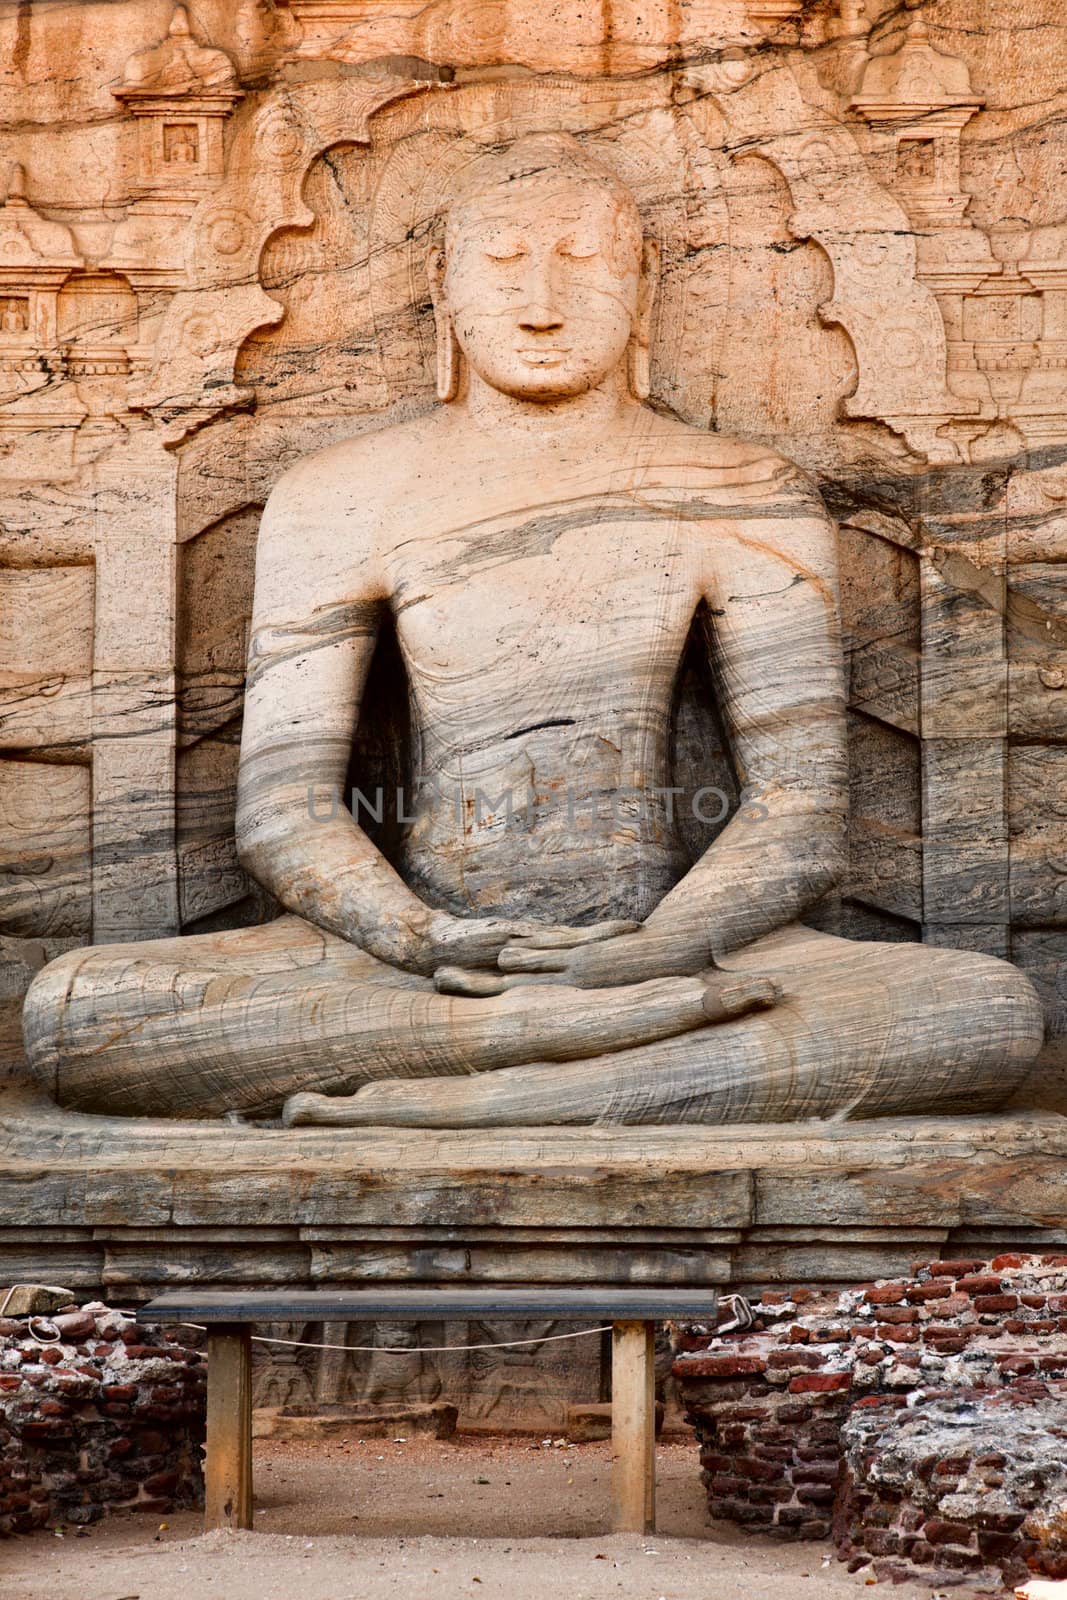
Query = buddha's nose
x=540 y=318
x=539 y=315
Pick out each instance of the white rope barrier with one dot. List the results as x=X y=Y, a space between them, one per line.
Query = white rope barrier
x=411 y=1349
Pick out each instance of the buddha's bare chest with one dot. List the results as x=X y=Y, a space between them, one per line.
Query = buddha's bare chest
x=598 y=590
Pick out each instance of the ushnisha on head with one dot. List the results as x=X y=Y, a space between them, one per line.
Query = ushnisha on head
x=545 y=283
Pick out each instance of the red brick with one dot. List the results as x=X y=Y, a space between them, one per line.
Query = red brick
x=995 y=1546
x=809 y=1359
x=978 y=1285
x=954 y=1306
x=953 y=1269
x=996 y=1302
x=937 y=1531
x=165 y=1482
x=816 y=1494
x=887 y=1294
x=152 y=1352
x=742 y=1511
x=820 y=1382
x=947 y=1344
x=895 y=1401
x=727 y=1483
x=900 y=1314
x=119 y=1391
x=75 y=1325
x=797 y=1516
x=907 y=1334
x=1002 y=1263
x=722 y=1366
x=920 y=1293
x=770 y=1494
x=1001 y=1521
x=757 y=1469
x=1020 y=1365
x=799 y=1335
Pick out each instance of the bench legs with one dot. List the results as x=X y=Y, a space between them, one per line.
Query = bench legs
x=228 y=1465
x=633 y=1427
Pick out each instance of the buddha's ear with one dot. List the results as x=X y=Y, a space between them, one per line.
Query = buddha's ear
x=448 y=353
x=642 y=334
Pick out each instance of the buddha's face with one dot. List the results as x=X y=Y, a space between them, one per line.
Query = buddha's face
x=541 y=283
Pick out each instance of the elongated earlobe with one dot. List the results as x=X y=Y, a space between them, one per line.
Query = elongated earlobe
x=448 y=351
x=642 y=334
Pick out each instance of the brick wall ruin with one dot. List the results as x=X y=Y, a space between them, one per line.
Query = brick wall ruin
x=109 y=1415
x=922 y=1422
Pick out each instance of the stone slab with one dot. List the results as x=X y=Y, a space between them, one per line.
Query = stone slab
x=290 y=1422
x=220 y=1205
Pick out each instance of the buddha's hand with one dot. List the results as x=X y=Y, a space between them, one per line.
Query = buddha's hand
x=609 y=955
x=467 y=944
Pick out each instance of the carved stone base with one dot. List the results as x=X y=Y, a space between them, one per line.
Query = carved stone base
x=132 y=1206
x=333 y=1421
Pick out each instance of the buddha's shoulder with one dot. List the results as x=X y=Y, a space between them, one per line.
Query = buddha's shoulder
x=726 y=462
x=362 y=468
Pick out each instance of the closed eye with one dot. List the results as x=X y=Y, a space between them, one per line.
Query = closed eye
x=504 y=255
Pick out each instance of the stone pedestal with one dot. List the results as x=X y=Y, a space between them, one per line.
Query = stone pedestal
x=134 y=1206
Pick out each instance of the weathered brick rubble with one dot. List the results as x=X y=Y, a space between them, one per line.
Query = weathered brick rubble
x=922 y=1422
x=112 y=1416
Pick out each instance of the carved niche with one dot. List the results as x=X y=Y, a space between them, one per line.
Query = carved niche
x=180 y=91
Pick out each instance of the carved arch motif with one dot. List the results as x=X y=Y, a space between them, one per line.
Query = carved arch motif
x=735 y=106
x=892 y=319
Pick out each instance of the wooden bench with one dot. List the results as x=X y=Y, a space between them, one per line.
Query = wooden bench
x=633 y=1314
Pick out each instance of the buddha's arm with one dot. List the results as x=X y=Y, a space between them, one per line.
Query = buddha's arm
x=775 y=648
x=313 y=634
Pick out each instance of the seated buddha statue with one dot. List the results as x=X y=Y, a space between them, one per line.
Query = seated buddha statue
x=539 y=947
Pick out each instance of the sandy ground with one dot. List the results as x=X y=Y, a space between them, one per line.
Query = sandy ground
x=420 y=1520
